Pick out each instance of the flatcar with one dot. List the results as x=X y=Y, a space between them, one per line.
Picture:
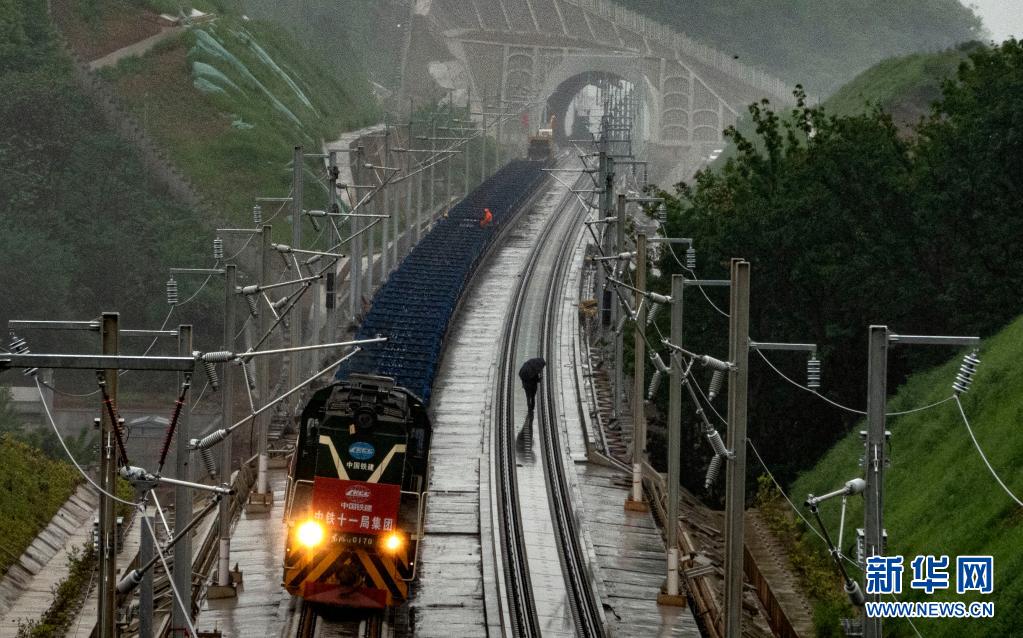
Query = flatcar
x=355 y=503
x=356 y=492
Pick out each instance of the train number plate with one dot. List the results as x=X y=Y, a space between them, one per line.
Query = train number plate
x=355 y=506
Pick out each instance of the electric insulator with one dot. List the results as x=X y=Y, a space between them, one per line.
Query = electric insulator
x=172 y=292
x=714 y=438
x=651 y=314
x=207 y=461
x=19 y=345
x=715 y=364
x=218 y=249
x=713 y=470
x=130 y=581
x=253 y=306
x=257 y=215
x=659 y=364
x=655 y=382
x=966 y=371
x=218 y=356
x=211 y=374
x=662 y=214
x=210 y=440
x=716 y=380
x=691 y=258
x=813 y=373
x=251 y=379
x=621 y=324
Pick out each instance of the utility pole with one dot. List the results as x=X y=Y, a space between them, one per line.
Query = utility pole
x=483 y=138
x=735 y=486
x=876 y=459
x=110 y=337
x=227 y=418
x=636 y=502
x=671 y=595
x=395 y=220
x=617 y=311
x=330 y=282
x=263 y=496
x=355 y=261
x=295 y=358
x=419 y=203
x=468 y=117
x=433 y=164
x=146 y=545
x=499 y=134
x=373 y=206
x=606 y=171
x=449 y=185
x=182 y=499
x=385 y=204
x=407 y=248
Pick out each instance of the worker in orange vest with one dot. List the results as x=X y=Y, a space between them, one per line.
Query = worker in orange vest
x=488 y=217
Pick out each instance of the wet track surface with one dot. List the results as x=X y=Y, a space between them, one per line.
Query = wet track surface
x=454 y=582
x=554 y=606
x=457 y=592
x=257 y=547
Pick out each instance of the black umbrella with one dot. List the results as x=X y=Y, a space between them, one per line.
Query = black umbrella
x=530 y=370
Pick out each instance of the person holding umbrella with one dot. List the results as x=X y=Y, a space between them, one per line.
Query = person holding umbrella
x=530 y=373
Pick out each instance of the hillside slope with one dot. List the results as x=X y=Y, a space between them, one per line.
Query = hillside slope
x=230 y=98
x=76 y=205
x=818 y=44
x=33 y=487
x=224 y=102
x=904 y=86
x=940 y=497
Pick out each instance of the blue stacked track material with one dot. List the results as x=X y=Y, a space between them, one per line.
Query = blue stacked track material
x=414 y=308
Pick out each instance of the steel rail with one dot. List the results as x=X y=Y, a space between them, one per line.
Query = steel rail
x=587 y=606
x=319 y=622
x=522 y=606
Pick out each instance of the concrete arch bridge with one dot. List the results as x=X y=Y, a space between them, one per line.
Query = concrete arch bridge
x=681 y=94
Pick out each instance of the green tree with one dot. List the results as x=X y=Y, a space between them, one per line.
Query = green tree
x=967 y=169
x=9 y=422
x=819 y=205
x=849 y=223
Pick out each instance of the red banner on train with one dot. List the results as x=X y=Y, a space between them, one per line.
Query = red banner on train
x=355 y=506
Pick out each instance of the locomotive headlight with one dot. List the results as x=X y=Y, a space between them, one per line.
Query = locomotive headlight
x=310 y=534
x=393 y=542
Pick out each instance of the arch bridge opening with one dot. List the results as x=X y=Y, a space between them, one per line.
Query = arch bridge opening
x=581 y=102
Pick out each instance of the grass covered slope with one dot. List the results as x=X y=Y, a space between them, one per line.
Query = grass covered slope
x=940 y=498
x=231 y=98
x=820 y=44
x=75 y=202
x=32 y=489
x=904 y=86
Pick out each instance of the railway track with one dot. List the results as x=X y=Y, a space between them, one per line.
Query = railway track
x=539 y=288
x=317 y=622
x=587 y=607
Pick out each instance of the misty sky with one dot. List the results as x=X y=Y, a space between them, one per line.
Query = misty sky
x=1001 y=17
